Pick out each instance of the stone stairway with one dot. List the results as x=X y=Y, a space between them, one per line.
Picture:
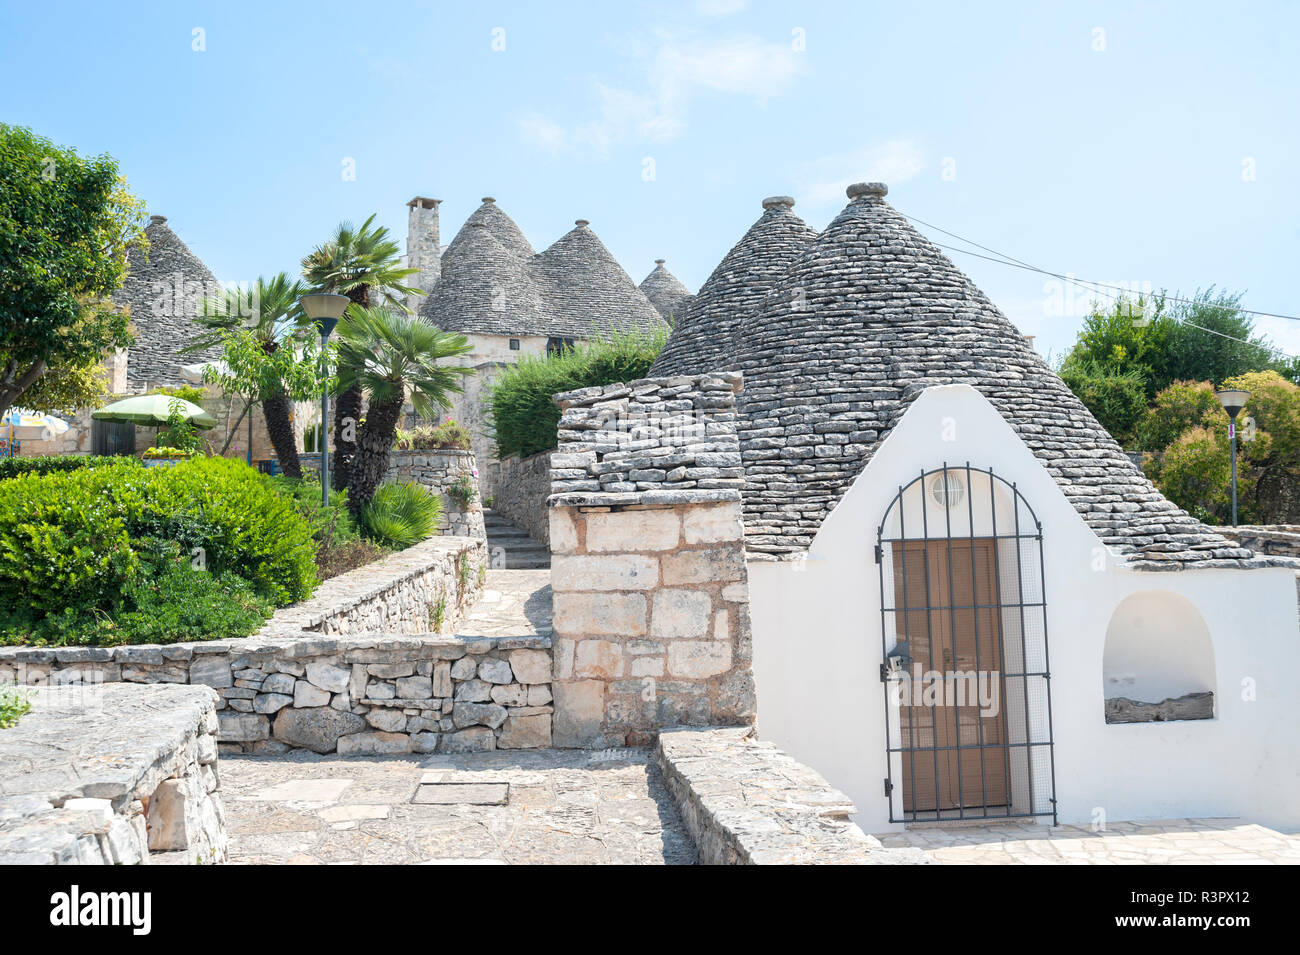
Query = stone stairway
x=510 y=548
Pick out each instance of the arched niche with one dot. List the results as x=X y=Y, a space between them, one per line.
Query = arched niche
x=1158 y=662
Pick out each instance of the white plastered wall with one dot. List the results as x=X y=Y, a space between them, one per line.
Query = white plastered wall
x=817 y=648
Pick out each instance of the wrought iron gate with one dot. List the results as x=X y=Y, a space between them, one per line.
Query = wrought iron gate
x=968 y=709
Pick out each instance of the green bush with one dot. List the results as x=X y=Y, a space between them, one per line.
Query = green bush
x=13 y=704
x=400 y=515
x=15 y=467
x=450 y=435
x=524 y=418
x=1117 y=397
x=1179 y=408
x=76 y=546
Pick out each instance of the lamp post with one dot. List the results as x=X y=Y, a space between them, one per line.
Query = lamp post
x=324 y=309
x=1233 y=401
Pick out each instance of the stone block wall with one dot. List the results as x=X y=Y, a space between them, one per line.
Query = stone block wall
x=361 y=697
x=648 y=571
x=113 y=774
x=521 y=494
x=439 y=470
x=398 y=614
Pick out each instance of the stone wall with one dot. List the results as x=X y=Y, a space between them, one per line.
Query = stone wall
x=397 y=613
x=112 y=774
x=521 y=494
x=745 y=802
x=402 y=694
x=439 y=470
x=648 y=563
x=1275 y=539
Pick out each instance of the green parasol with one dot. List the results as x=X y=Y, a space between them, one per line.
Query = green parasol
x=153 y=410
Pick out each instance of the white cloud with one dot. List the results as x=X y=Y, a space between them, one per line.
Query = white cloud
x=720 y=8
x=674 y=74
x=825 y=179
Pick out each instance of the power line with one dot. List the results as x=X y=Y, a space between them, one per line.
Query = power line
x=1011 y=260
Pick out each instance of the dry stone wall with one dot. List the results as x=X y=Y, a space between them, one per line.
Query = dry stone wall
x=112 y=774
x=439 y=470
x=521 y=494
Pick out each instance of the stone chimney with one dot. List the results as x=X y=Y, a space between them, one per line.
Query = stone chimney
x=423 y=249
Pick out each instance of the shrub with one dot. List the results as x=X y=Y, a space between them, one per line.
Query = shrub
x=13 y=704
x=462 y=491
x=1195 y=473
x=524 y=418
x=400 y=515
x=179 y=602
x=1116 y=397
x=65 y=537
x=1180 y=407
x=165 y=451
x=448 y=436
x=14 y=467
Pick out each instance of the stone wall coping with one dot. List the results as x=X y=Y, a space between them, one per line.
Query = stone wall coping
x=135 y=728
x=432 y=452
x=719 y=380
x=289 y=647
x=746 y=802
x=658 y=498
x=289 y=627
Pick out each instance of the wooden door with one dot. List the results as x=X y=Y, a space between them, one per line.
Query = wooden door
x=947 y=598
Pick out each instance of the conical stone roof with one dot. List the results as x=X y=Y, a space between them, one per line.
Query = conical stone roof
x=587 y=290
x=500 y=225
x=486 y=288
x=666 y=294
x=164 y=292
x=705 y=335
x=871 y=316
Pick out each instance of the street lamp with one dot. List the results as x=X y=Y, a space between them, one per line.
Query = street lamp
x=1233 y=401
x=324 y=309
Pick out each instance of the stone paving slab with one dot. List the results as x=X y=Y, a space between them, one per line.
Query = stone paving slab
x=564 y=807
x=512 y=602
x=1155 y=842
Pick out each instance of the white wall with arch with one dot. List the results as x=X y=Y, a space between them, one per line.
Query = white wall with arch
x=817 y=626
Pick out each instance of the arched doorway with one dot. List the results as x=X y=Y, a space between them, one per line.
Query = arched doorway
x=964 y=644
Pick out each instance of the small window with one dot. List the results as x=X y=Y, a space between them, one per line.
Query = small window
x=556 y=346
x=514 y=344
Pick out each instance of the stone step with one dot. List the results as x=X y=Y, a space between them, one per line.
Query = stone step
x=521 y=552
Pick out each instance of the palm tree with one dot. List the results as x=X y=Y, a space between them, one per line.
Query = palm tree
x=270 y=311
x=390 y=355
x=365 y=265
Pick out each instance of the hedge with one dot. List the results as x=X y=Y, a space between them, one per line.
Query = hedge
x=524 y=418
x=78 y=546
x=15 y=467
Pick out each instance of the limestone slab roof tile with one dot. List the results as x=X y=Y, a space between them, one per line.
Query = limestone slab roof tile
x=669 y=296
x=705 y=336
x=164 y=289
x=855 y=330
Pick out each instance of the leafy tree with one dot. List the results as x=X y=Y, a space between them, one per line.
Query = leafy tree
x=365 y=265
x=270 y=313
x=66 y=222
x=289 y=373
x=1195 y=473
x=1116 y=395
x=1198 y=354
x=1274 y=451
x=1132 y=337
x=388 y=355
x=1179 y=408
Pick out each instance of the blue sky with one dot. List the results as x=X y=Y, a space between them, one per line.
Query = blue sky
x=1131 y=143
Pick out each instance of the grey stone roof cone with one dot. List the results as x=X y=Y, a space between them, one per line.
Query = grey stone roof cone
x=669 y=296
x=705 y=335
x=164 y=293
x=855 y=330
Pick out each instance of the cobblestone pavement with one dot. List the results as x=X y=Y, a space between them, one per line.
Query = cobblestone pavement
x=513 y=602
x=1194 y=841
x=564 y=806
